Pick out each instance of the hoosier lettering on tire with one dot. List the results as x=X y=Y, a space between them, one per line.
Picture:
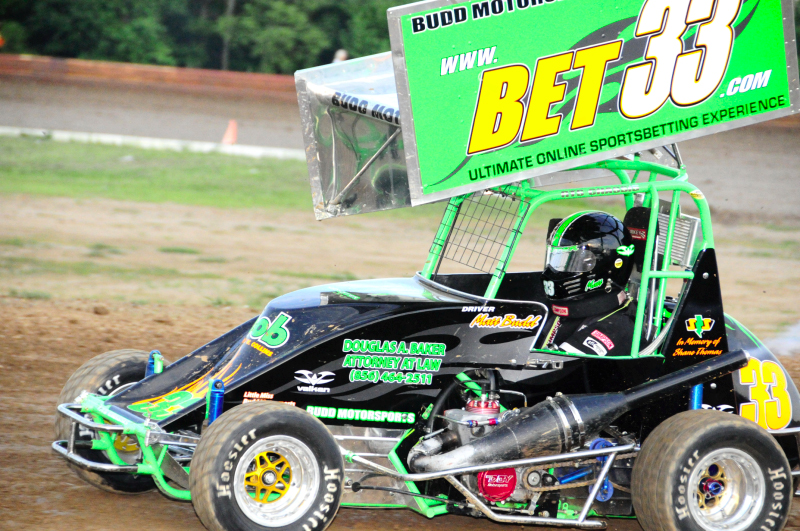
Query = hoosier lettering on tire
x=707 y=470
x=266 y=465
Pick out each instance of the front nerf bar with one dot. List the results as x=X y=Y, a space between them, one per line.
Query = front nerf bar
x=67 y=448
x=153 y=435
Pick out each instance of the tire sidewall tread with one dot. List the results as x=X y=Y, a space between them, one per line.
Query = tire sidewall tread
x=213 y=493
x=683 y=439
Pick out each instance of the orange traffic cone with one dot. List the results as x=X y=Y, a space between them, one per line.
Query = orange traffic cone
x=230 y=133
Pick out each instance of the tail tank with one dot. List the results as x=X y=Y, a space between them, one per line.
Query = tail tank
x=563 y=422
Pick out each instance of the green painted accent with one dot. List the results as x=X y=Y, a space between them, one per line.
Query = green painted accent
x=151 y=464
x=158 y=363
x=428 y=508
x=427 y=412
x=589 y=356
x=747 y=332
x=472 y=386
x=594 y=284
x=564 y=225
x=347 y=294
x=441 y=236
x=626 y=250
x=208 y=398
x=662 y=284
x=376 y=505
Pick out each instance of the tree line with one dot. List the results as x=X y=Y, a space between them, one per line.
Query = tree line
x=278 y=36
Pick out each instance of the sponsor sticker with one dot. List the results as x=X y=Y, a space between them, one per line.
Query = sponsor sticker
x=638 y=234
x=369 y=415
x=699 y=325
x=563 y=311
x=604 y=339
x=595 y=345
x=313 y=380
x=267 y=334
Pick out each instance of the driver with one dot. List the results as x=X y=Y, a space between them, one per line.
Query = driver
x=589 y=261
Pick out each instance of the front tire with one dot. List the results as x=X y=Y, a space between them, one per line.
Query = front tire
x=266 y=466
x=707 y=470
x=108 y=374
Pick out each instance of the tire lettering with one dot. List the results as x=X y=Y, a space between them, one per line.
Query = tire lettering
x=777 y=506
x=328 y=498
x=223 y=490
x=331 y=475
x=683 y=512
x=776 y=474
x=225 y=476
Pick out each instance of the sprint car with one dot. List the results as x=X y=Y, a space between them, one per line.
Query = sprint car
x=441 y=393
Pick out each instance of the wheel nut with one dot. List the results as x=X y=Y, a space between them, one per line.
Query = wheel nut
x=269 y=477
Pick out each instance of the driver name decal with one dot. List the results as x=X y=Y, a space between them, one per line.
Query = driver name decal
x=508 y=320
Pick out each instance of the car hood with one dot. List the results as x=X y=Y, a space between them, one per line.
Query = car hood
x=289 y=325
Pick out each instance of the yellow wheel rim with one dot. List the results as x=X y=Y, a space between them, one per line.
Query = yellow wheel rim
x=268 y=477
x=126 y=443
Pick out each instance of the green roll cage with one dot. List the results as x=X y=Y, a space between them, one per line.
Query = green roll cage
x=531 y=199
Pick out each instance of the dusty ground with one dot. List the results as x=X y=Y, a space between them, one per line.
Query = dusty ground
x=83 y=277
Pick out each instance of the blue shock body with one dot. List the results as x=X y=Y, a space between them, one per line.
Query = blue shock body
x=214 y=400
x=696 y=397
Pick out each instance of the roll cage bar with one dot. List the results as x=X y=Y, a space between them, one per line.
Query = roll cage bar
x=531 y=199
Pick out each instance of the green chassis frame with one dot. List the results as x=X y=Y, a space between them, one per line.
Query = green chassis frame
x=153 y=456
x=532 y=199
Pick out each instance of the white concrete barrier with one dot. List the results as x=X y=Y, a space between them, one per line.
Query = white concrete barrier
x=156 y=143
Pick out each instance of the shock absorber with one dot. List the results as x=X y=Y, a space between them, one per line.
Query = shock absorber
x=214 y=400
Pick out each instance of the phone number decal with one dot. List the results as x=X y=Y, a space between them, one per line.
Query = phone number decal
x=407 y=378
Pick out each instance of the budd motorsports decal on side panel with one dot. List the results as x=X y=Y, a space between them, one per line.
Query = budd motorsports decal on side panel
x=501 y=90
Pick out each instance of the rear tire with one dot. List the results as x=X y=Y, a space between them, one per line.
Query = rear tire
x=707 y=470
x=106 y=374
x=266 y=466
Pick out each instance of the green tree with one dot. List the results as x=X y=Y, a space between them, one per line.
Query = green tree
x=117 y=30
x=279 y=36
x=368 y=32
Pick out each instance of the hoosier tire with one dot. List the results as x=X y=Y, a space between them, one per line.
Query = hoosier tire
x=266 y=466
x=106 y=374
x=707 y=470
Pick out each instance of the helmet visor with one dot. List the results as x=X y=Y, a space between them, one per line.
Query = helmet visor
x=570 y=259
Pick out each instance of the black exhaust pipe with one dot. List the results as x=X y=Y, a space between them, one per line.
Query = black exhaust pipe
x=562 y=423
